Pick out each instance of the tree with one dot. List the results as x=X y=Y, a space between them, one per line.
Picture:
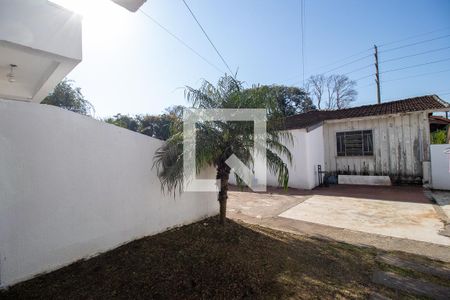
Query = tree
x=66 y=96
x=124 y=121
x=342 y=90
x=290 y=100
x=219 y=140
x=157 y=126
x=316 y=88
x=162 y=126
x=175 y=110
x=332 y=92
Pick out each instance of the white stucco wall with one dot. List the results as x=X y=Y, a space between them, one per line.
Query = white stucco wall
x=297 y=170
x=72 y=186
x=315 y=155
x=307 y=151
x=440 y=167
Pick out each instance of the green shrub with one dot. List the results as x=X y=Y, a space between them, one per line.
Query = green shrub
x=439 y=137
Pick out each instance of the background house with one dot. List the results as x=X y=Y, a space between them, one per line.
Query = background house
x=438 y=123
x=390 y=139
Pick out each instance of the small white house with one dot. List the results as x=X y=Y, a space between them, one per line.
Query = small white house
x=389 y=139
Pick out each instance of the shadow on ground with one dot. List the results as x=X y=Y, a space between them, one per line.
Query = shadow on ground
x=400 y=193
x=206 y=260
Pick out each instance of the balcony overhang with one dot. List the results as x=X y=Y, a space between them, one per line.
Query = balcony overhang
x=131 y=5
x=43 y=40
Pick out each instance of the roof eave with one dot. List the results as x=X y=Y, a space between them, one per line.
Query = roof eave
x=438 y=99
x=382 y=116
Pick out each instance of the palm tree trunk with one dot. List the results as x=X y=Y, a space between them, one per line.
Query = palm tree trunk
x=223 y=173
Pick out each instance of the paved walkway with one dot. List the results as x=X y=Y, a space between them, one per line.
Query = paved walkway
x=390 y=218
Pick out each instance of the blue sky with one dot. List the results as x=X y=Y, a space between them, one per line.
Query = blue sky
x=132 y=66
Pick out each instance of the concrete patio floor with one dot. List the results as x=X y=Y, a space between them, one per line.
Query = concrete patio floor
x=392 y=218
x=414 y=221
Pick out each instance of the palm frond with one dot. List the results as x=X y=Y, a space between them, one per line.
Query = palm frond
x=168 y=161
x=277 y=166
x=203 y=97
x=280 y=148
x=217 y=140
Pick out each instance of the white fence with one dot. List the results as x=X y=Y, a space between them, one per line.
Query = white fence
x=71 y=187
x=440 y=166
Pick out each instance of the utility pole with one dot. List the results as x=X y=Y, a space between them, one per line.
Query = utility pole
x=377 y=75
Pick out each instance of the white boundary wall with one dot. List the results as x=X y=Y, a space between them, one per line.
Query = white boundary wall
x=307 y=152
x=71 y=187
x=440 y=167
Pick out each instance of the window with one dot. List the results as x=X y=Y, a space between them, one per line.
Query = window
x=354 y=143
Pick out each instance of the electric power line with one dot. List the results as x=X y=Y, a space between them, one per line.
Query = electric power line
x=416 y=43
x=350 y=72
x=417 y=65
x=367 y=85
x=358 y=69
x=346 y=64
x=180 y=41
x=408 y=77
x=416 y=54
x=415 y=95
x=302 y=16
x=397 y=69
x=442 y=91
x=385 y=44
x=364 y=77
x=341 y=66
x=382 y=45
x=345 y=58
x=404 y=68
x=206 y=35
x=414 y=36
x=418 y=75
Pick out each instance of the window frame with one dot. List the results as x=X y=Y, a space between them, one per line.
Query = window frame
x=350 y=139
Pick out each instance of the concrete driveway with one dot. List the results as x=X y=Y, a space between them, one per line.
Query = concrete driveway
x=392 y=218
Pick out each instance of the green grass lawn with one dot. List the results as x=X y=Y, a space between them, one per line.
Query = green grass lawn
x=206 y=260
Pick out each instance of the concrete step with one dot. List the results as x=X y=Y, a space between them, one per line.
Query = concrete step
x=410 y=285
x=390 y=259
x=442 y=199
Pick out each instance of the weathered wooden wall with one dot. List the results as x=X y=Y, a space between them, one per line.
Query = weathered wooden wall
x=400 y=144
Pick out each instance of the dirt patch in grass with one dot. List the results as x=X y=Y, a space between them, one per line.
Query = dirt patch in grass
x=206 y=260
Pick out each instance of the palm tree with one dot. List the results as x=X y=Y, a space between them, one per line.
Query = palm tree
x=218 y=140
